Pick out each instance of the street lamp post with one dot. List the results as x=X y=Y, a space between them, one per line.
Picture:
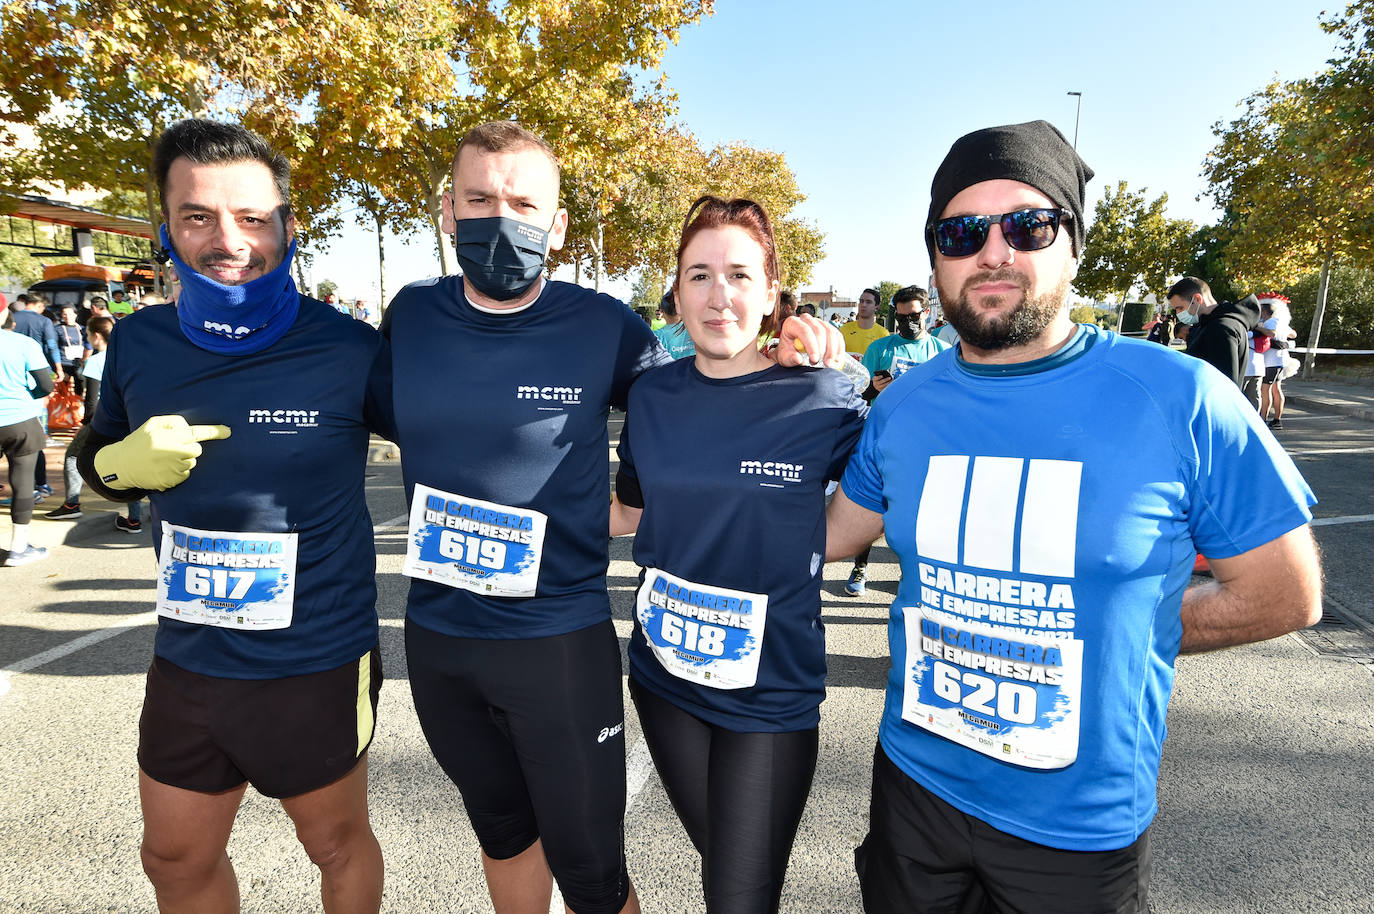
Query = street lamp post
x=1079 y=95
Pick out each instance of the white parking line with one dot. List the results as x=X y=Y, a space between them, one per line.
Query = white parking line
x=638 y=764
x=95 y=637
x=1348 y=519
x=71 y=647
x=387 y=525
x=1323 y=451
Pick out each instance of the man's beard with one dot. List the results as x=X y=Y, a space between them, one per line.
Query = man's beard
x=255 y=262
x=1023 y=324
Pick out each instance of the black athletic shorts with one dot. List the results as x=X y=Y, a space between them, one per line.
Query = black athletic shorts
x=284 y=736
x=923 y=856
x=533 y=733
x=21 y=439
x=1271 y=373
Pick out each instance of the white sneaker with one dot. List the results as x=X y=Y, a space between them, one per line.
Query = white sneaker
x=30 y=554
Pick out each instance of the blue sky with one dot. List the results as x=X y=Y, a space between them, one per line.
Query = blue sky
x=864 y=98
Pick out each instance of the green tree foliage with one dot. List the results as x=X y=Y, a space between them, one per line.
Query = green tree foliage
x=886 y=289
x=1295 y=169
x=1132 y=244
x=325 y=287
x=648 y=290
x=1209 y=258
x=641 y=231
x=1349 y=320
x=1087 y=314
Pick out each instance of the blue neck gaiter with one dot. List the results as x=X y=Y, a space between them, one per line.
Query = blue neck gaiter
x=235 y=320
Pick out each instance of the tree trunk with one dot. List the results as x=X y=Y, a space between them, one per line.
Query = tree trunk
x=1314 y=336
x=577 y=270
x=599 y=253
x=381 y=265
x=154 y=219
x=434 y=200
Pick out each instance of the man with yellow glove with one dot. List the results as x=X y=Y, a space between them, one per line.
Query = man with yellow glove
x=161 y=454
x=265 y=667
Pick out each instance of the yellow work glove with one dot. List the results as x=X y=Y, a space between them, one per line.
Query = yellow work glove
x=158 y=456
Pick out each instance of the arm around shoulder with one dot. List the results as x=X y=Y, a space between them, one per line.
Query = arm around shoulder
x=624 y=519
x=849 y=527
x=1268 y=591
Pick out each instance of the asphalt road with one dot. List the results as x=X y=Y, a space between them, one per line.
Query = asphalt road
x=1265 y=793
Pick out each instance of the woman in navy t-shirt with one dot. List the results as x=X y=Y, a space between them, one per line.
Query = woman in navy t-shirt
x=724 y=463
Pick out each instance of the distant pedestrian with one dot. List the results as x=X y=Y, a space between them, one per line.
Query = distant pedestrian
x=25 y=379
x=1219 y=333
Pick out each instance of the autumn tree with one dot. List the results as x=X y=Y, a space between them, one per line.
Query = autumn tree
x=101 y=82
x=737 y=170
x=1295 y=168
x=1132 y=244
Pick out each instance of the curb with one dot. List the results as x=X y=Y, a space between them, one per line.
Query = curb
x=1318 y=404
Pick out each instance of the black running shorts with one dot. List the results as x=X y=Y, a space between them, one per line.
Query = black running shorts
x=533 y=733
x=924 y=856
x=284 y=736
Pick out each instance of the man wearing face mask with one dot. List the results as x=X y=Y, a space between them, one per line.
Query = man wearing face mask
x=889 y=358
x=1219 y=334
x=886 y=360
x=265 y=665
x=513 y=660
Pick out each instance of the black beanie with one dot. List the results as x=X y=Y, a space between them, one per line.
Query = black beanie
x=1033 y=153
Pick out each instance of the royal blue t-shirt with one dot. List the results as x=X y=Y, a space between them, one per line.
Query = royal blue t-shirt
x=293 y=463
x=509 y=410
x=732 y=474
x=1046 y=530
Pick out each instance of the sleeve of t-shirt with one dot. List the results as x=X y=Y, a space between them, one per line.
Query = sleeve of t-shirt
x=863 y=477
x=379 y=411
x=34 y=360
x=111 y=417
x=1245 y=490
x=847 y=434
x=626 y=479
x=50 y=344
x=639 y=351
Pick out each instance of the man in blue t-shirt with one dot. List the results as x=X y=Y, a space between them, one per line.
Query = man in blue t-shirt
x=890 y=357
x=265 y=665
x=1046 y=546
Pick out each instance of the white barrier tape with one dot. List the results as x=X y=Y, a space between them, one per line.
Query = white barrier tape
x=1332 y=351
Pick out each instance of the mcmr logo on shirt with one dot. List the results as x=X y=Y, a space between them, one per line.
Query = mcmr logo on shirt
x=787 y=472
x=300 y=418
x=569 y=395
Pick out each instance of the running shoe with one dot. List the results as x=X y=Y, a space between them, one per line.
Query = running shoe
x=1276 y=425
x=124 y=525
x=65 y=511
x=26 y=555
x=37 y=497
x=857 y=582
x=43 y=490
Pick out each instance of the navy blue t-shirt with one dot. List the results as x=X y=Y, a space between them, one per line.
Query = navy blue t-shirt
x=732 y=474
x=293 y=464
x=509 y=410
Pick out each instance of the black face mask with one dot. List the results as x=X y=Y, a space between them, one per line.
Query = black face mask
x=501 y=257
x=908 y=325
